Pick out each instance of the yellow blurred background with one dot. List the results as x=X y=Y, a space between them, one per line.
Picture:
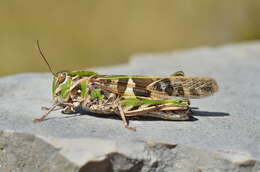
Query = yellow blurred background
x=87 y=33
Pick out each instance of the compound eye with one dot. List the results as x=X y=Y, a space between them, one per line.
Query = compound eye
x=61 y=77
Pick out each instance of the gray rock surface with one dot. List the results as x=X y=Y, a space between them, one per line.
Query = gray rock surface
x=226 y=136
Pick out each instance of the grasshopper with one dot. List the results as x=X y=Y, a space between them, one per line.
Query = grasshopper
x=165 y=97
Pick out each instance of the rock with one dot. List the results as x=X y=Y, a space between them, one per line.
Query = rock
x=225 y=136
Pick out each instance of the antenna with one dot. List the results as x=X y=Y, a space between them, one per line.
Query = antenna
x=42 y=55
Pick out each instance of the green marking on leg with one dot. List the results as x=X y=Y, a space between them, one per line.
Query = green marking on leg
x=84 y=89
x=65 y=89
x=138 y=102
x=96 y=94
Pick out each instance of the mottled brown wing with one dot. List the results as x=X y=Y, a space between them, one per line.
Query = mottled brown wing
x=188 y=87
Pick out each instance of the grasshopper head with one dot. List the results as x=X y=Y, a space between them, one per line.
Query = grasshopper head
x=61 y=85
x=67 y=85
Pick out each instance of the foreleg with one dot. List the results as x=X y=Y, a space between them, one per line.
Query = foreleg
x=52 y=108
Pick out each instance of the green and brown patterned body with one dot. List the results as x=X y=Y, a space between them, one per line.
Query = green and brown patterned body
x=159 y=87
x=165 y=97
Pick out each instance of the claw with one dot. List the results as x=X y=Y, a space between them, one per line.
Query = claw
x=130 y=128
x=45 y=108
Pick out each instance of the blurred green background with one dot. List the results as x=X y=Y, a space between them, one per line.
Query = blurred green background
x=86 y=33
